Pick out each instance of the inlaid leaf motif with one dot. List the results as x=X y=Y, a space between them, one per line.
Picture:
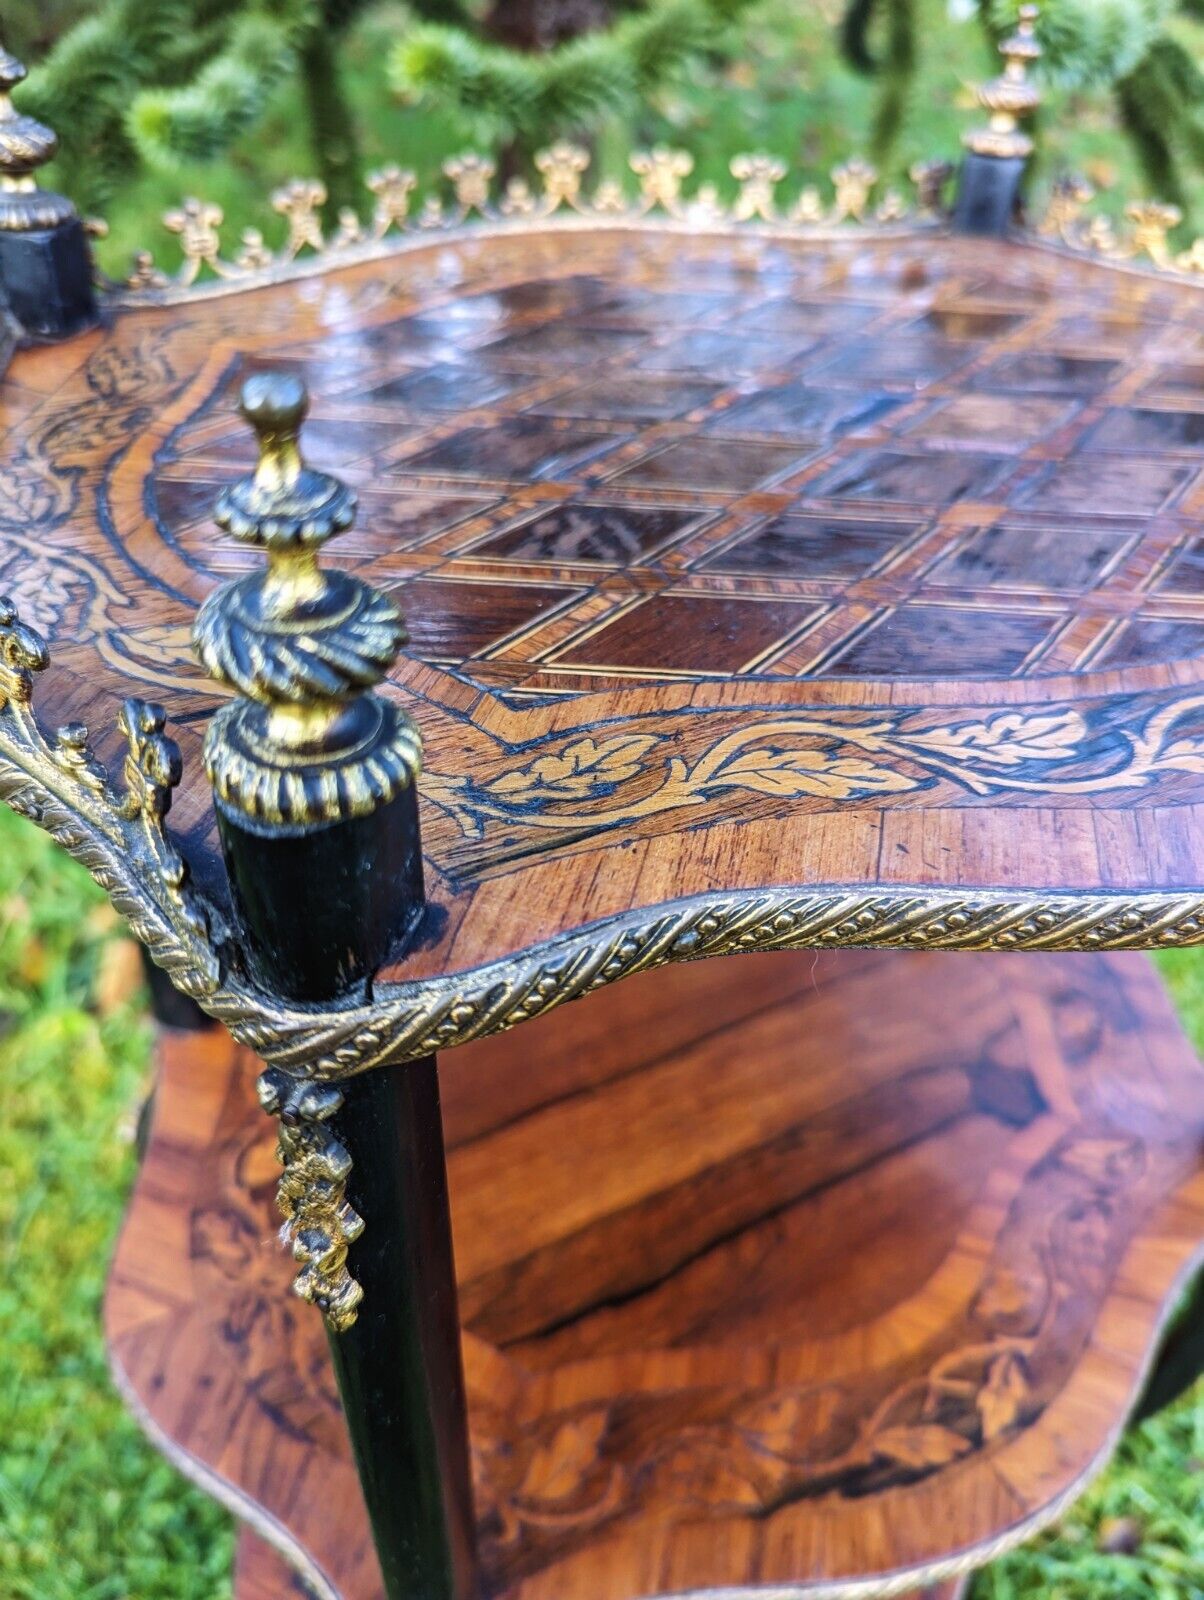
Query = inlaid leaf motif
x=791 y=1424
x=1183 y=755
x=166 y=646
x=1002 y=1396
x=1012 y=1300
x=928 y=1445
x=706 y=1471
x=789 y=773
x=580 y=768
x=809 y=755
x=222 y=1240
x=33 y=491
x=42 y=589
x=131 y=371
x=559 y=1469
x=1009 y=739
x=1107 y=1162
x=450 y=790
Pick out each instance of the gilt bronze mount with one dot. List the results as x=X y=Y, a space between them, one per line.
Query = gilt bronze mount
x=1011 y=96
x=25 y=145
x=304 y=742
x=319 y=1224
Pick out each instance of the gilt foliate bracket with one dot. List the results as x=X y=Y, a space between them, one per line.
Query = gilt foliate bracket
x=319 y=1223
x=120 y=835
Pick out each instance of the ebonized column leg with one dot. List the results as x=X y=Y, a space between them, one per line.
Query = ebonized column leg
x=988 y=192
x=318 y=908
x=988 y=186
x=399 y=1367
x=315 y=783
x=46 y=280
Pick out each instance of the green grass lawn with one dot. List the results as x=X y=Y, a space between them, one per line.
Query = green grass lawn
x=88 y=1511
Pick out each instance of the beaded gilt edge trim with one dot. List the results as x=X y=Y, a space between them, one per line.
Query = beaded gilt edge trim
x=410 y=1020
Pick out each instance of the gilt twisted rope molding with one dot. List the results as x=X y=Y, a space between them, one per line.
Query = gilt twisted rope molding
x=120 y=836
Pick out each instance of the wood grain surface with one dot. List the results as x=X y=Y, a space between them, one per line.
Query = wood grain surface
x=728 y=563
x=261 y=1574
x=795 y=1271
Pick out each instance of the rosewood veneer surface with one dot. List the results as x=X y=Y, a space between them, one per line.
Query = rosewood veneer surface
x=260 y=1573
x=778 y=1274
x=729 y=562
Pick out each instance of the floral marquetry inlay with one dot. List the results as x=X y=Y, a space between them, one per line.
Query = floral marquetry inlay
x=782 y=593
x=598 y=781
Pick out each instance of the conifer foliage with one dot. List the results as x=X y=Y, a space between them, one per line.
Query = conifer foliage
x=157 y=82
x=1134 y=48
x=528 y=95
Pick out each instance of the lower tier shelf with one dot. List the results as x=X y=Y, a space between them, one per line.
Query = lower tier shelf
x=780 y=1276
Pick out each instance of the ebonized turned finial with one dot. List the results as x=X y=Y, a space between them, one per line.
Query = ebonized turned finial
x=306 y=741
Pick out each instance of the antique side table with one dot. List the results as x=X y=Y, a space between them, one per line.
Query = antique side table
x=798 y=578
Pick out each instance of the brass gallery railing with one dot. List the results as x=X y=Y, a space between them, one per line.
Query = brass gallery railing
x=856 y=198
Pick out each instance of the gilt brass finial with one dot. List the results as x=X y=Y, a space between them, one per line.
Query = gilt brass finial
x=25 y=145
x=282 y=505
x=305 y=742
x=1011 y=95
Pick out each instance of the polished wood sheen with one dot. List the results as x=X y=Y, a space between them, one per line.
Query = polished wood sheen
x=785 y=1272
x=729 y=562
x=261 y=1574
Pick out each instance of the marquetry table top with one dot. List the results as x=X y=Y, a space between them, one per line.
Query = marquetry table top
x=853 y=588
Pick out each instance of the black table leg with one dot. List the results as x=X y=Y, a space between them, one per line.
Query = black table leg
x=399 y=1367
x=315 y=783
x=365 y=1189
